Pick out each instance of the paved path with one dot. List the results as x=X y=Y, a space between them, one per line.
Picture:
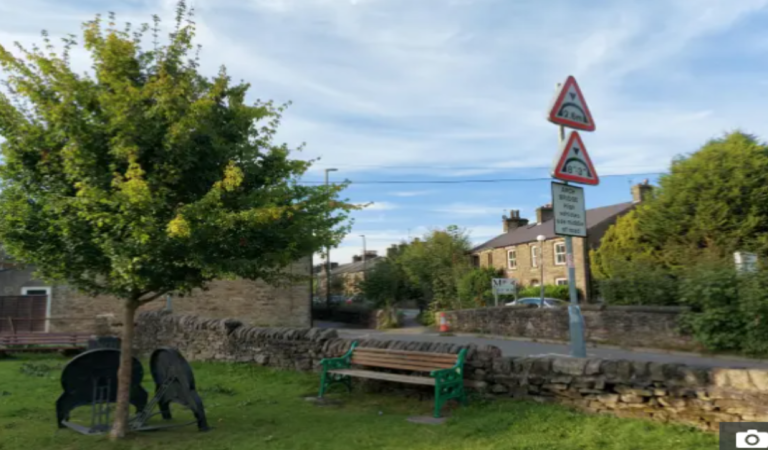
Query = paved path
x=527 y=348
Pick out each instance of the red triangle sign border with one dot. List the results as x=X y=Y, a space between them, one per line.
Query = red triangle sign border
x=558 y=172
x=552 y=117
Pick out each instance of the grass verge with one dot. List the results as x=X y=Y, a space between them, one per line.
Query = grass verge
x=254 y=407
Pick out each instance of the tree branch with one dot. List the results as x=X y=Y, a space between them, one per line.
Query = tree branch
x=143 y=301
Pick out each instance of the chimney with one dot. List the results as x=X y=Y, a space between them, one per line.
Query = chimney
x=641 y=192
x=513 y=221
x=545 y=213
x=357 y=258
x=371 y=254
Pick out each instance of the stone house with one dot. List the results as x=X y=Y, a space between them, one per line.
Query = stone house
x=351 y=274
x=516 y=251
x=35 y=305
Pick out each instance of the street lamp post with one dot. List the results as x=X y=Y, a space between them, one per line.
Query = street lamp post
x=328 y=254
x=541 y=238
x=365 y=264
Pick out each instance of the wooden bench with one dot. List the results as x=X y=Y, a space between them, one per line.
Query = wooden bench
x=444 y=371
x=43 y=342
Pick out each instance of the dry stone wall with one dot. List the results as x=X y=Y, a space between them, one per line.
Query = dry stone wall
x=697 y=396
x=631 y=326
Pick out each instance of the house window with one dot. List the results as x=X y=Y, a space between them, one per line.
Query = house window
x=534 y=256
x=561 y=281
x=512 y=259
x=475 y=261
x=535 y=282
x=560 y=253
x=490 y=259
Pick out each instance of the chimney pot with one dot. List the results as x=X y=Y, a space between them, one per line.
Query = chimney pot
x=545 y=213
x=641 y=192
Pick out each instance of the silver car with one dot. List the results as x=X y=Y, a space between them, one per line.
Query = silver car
x=536 y=301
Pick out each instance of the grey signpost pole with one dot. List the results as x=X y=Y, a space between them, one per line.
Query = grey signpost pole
x=575 y=319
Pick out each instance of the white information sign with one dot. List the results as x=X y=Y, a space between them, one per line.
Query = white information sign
x=745 y=261
x=570 y=210
x=502 y=286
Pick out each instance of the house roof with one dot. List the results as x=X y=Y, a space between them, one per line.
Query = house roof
x=356 y=266
x=528 y=233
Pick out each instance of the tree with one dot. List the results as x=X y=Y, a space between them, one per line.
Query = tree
x=712 y=203
x=474 y=288
x=145 y=177
x=437 y=263
x=714 y=200
x=387 y=284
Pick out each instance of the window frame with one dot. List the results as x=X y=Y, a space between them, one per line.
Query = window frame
x=558 y=280
x=558 y=254
x=512 y=262
x=534 y=256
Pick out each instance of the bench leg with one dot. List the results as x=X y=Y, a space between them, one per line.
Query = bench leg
x=445 y=393
x=323 y=384
x=327 y=380
x=439 y=401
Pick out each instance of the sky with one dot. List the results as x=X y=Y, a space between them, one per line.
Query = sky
x=456 y=91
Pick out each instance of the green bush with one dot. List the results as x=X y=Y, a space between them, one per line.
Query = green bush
x=474 y=288
x=550 y=291
x=639 y=283
x=729 y=310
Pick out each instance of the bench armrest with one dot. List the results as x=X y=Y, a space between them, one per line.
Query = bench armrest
x=455 y=373
x=342 y=362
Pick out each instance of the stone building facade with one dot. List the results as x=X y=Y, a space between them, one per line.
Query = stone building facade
x=519 y=254
x=253 y=302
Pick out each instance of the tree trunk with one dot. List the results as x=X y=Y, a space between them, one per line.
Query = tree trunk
x=120 y=427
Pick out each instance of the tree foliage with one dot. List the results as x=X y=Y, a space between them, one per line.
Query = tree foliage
x=436 y=263
x=714 y=201
x=143 y=176
x=474 y=288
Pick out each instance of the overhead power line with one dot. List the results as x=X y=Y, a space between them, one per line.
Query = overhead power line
x=490 y=180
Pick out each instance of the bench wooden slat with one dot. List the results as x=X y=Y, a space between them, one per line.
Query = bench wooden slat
x=375 y=359
x=394 y=365
x=421 y=355
x=408 y=379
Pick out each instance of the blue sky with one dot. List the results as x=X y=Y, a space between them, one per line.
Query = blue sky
x=412 y=90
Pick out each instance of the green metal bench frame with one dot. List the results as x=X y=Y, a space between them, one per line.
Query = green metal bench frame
x=449 y=383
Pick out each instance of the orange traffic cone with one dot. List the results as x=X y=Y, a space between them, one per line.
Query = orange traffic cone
x=444 y=328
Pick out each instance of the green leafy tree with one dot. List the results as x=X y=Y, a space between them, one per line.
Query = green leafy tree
x=144 y=177
x=475 y=288
x=387 y=284
x=712 y=203
x=621 y=246
x=715 y=200
x=437 y=263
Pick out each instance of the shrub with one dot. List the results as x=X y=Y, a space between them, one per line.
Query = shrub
x=729 y=309
x=475 y=289
x=550 y=291
x=639 y=283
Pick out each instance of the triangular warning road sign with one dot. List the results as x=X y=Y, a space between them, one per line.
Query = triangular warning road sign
x=570 y=109
x=573 y=163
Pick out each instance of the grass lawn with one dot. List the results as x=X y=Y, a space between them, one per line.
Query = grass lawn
x=256 y=408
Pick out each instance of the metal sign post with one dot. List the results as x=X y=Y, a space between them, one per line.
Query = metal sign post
x=575 y=318
x=573 y=164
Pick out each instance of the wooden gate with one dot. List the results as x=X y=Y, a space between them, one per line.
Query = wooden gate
x=23 y=313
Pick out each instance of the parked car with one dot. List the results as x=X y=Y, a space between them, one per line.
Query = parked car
x=536 y=301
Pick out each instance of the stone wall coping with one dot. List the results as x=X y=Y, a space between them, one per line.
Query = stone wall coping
x=584 y=307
